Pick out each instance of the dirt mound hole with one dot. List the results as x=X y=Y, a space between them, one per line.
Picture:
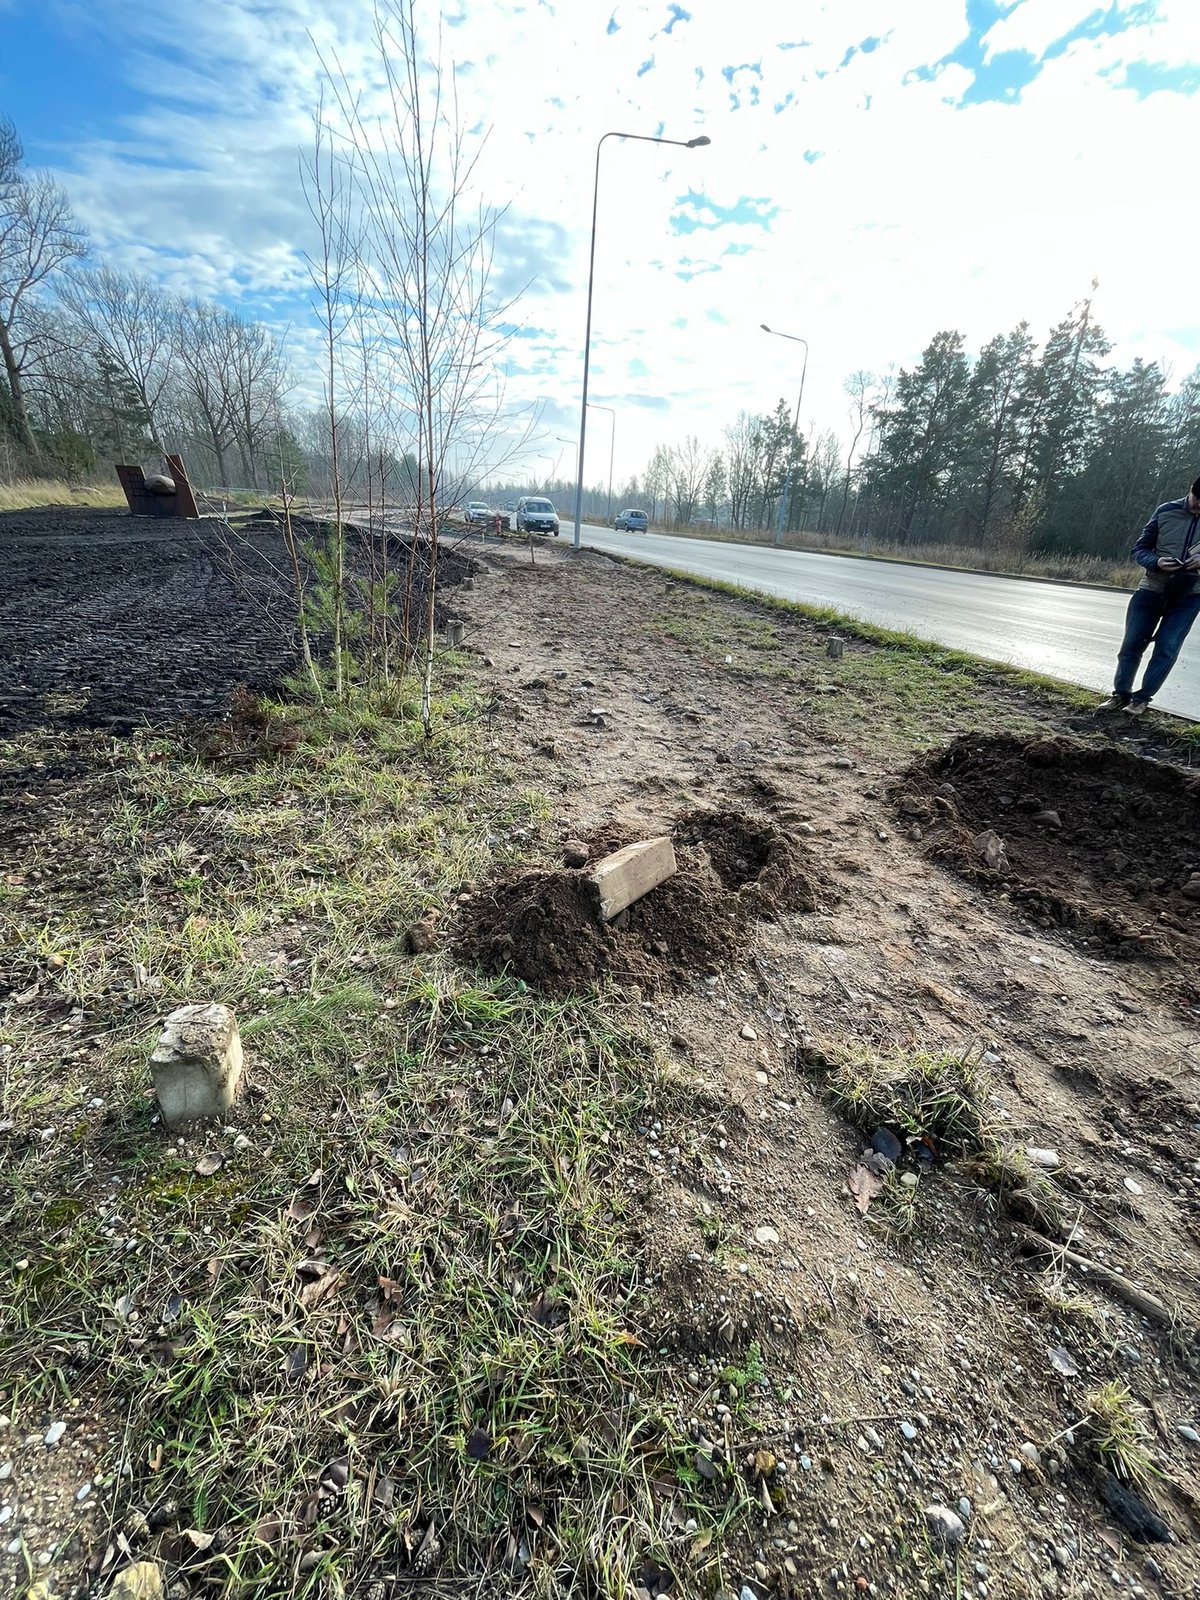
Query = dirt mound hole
x=1097 y=840
x=544 y=925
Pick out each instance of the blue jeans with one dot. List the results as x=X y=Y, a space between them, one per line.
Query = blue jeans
x=1172 y=616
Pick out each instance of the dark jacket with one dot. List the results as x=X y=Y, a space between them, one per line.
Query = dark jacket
x=1172 y=531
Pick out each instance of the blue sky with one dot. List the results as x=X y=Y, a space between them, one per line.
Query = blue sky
x=878 y=170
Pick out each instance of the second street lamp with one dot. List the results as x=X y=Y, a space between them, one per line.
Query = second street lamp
x=643 y=138
x=612 y=445
x=785 y=497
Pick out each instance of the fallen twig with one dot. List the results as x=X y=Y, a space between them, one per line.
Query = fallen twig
x=1124 y=1288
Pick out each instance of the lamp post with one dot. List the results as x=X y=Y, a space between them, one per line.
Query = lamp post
x=785 y=498
x=644 y=138
x=559 y=438
x=612 y=445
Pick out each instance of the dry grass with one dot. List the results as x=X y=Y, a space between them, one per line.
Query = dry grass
x=1064 y=567
x=24 y=493
x=938 y=1098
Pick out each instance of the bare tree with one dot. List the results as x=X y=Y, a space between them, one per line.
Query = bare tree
x=860 y=387
x=425 y=250
x=689 y=469
x=128 y=320
x=38 y=235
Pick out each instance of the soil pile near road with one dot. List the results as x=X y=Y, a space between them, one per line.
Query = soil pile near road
x=108 y=620
x=545 y=926
x=1096 y=839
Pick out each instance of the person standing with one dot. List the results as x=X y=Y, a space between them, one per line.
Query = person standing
x=1163 y=606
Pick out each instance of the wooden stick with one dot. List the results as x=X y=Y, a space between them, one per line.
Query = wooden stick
x=1140 y=1299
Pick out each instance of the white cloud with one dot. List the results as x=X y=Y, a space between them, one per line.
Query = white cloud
x=912 y=215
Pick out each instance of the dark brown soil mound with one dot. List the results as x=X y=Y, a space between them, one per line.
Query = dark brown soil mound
x=1096 y=839
x=544 y=925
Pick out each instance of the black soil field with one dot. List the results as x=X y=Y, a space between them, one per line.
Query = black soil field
x=1096 y=839
x=110 y=621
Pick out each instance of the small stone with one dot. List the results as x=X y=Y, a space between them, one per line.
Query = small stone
x=54 y=1433
x=989 y=847
x=575 y=853
x=1061 y=1556
x=1192 y=887
x=748 y=1032
x=908 y=1430
x=964 y=1506
x=762 y=1571
x=197 y=1063
x=766 y=1235
x=1186 y=1431
x=1048 y=819
x=82 y=1493
x=945 y=1525
x=1133 y=1185
x=1030 y=1454
x=761 y=1079
x=1039 y=1157
x=886 y=1143
x=910 y=1180
x=422 y=936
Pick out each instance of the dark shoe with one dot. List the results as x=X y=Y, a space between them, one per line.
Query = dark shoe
x=1115 y=702
x=1137 y=708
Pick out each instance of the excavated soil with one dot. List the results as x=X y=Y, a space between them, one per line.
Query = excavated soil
x=544 y=925
x=109 y=621
x=1097 y=840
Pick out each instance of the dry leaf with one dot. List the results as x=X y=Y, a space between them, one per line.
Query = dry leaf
x=864 y=1186
x=300 y=1210
x=297 y=1362
x=209 y=1164
x=314 y=1294
x=1063 y=1362
x=1112 y=1540
x=198 y=1540
x=479 y=1445
x=628 y=1338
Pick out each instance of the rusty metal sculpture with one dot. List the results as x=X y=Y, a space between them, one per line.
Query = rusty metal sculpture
x=159 y=495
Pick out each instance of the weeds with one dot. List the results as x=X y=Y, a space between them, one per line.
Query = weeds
x=1025 y=1191
x=1118 y=1433
x=936 y=1100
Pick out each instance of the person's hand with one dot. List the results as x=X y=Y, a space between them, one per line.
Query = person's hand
x=1192 y=564
x=1168 y=564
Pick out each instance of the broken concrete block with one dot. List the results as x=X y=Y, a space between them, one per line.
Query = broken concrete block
x=628 y=874
x=197 y=1064
x=834 y=647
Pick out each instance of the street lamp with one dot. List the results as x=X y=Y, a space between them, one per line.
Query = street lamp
x=612 y=444
x=785 y=498
x=571 y=442
x=643 y=138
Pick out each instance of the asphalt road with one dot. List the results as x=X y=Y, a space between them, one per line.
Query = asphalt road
x=1052 y=628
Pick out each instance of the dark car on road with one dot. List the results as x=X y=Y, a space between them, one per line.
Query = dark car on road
x=536 y=515
x=631 y=522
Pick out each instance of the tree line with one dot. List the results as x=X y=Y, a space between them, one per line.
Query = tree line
x=1024 y=447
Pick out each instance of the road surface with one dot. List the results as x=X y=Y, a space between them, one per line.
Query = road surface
x=1053 y=628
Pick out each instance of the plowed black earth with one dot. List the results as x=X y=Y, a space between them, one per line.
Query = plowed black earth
x=111 y=621
x=544 y=925
x=1113 y=871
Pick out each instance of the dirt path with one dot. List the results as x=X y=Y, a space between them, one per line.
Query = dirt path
x=905 y=1368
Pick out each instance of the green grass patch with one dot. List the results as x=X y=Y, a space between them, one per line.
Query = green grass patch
x=394 y=1326
x=940 y=1098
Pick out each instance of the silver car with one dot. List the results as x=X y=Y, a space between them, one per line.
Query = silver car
x=631 y=522
x=536 y=515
